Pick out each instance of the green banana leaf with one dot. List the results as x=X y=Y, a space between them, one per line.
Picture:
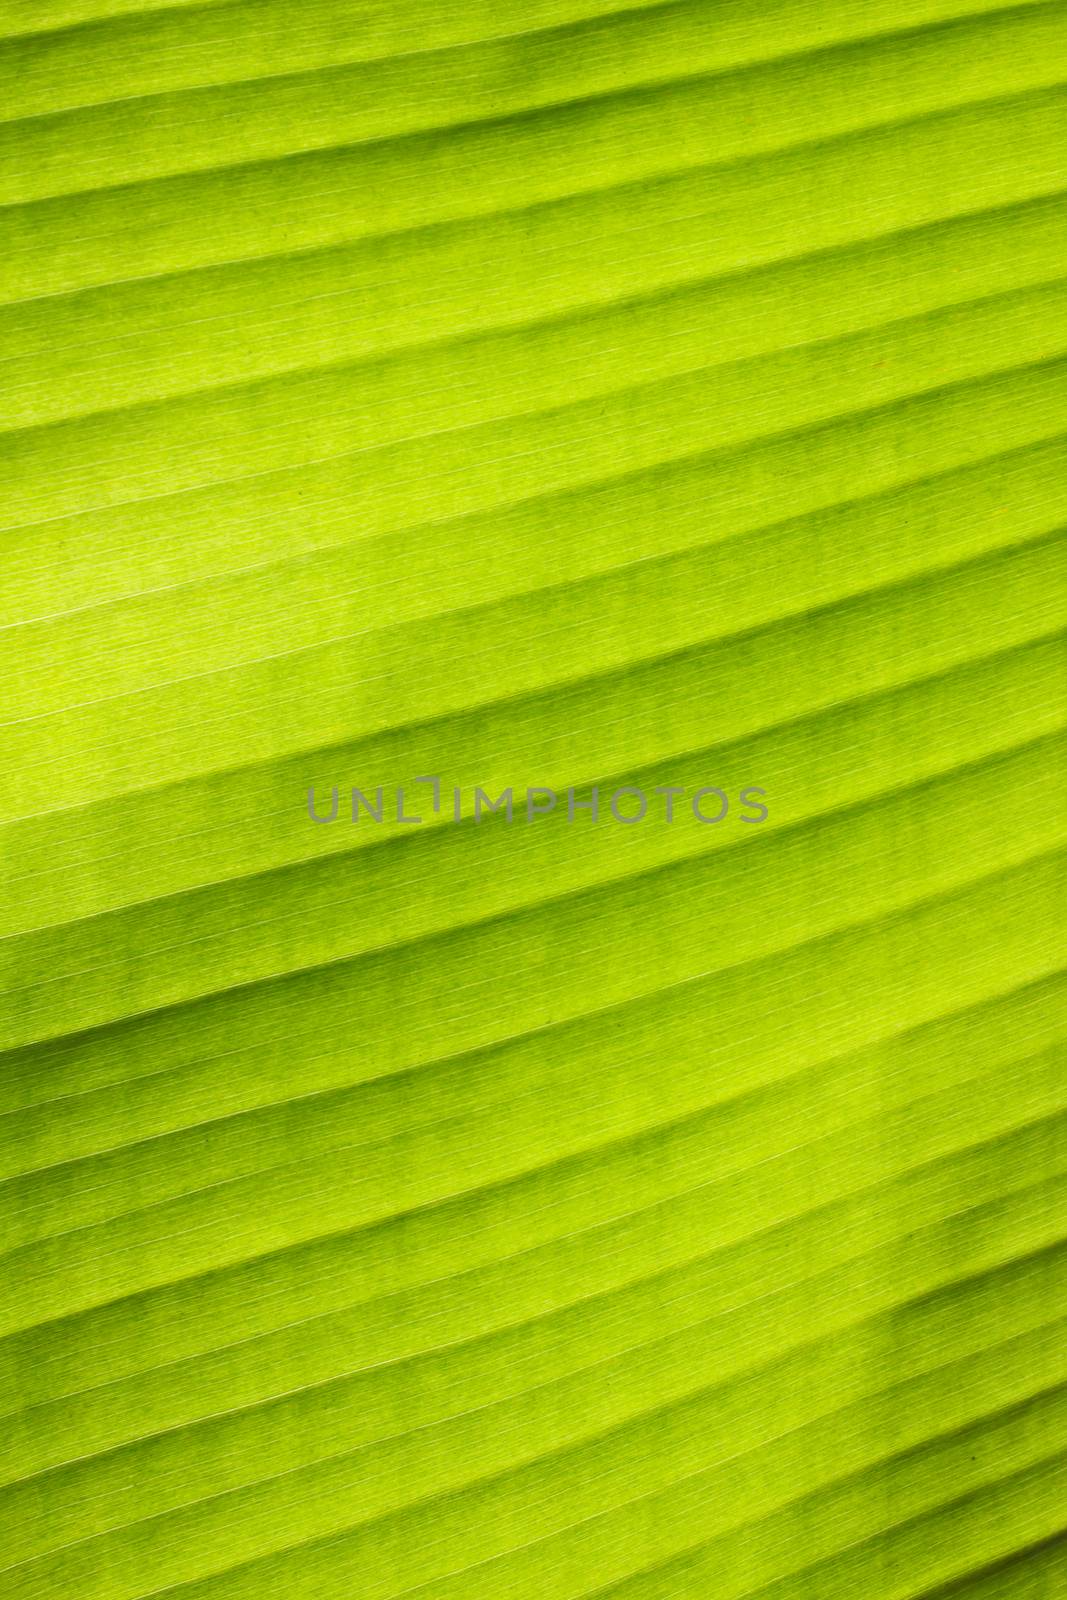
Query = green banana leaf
x=627 y=438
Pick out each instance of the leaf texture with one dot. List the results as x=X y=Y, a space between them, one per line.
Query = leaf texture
x=581 y=396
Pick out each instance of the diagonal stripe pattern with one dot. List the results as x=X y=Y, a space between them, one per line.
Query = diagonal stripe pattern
x=590 y=395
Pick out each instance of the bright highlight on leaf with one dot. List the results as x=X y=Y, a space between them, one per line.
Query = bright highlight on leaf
x=532 y=683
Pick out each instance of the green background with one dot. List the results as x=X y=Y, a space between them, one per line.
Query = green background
x=533 y=392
